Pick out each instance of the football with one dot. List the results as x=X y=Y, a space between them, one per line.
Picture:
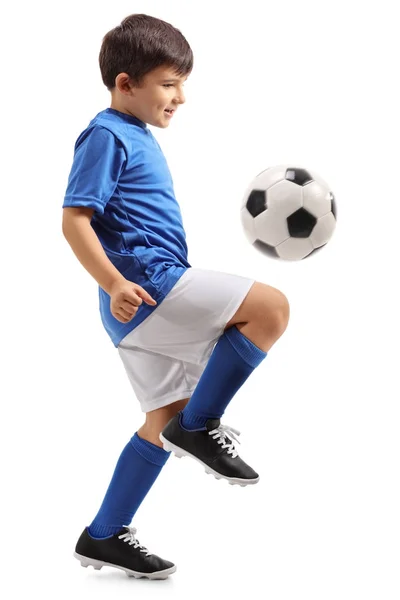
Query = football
x=288 y=212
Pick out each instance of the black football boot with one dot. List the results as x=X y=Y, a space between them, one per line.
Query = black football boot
x=212 y=446
x=122 y=551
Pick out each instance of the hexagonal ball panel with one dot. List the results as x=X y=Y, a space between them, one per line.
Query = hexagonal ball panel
x=317 y=199
x=264 y=180
x=270 y=227
x=319 y=179
x=248 y=225
x=301 y=223
x=269 y=177
x=315 y=250
x=323 y=230
x=265 y=249
x=294 y=248
x=285 y=196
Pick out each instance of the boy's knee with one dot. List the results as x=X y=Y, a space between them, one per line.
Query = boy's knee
x=283 y=309
x=276 y=313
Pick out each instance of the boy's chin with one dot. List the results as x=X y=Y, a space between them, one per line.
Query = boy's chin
x=161 y=125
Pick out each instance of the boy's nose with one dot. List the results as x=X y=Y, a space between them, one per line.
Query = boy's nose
x=181 y=98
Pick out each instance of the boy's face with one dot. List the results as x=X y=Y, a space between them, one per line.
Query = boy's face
x=161 y=90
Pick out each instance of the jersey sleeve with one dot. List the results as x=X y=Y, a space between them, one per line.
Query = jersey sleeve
x=99 y=159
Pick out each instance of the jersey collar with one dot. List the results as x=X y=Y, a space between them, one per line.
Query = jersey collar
x=126 y=117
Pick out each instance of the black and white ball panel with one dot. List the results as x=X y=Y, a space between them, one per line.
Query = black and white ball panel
x=288 y=212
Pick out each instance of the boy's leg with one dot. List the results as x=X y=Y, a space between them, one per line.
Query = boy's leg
x=263 y=316
x=156 y=420
x=259 y=322
x=108 y=540
x=138 y=467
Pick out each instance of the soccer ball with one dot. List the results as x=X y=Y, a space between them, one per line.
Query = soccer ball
x=288 y=212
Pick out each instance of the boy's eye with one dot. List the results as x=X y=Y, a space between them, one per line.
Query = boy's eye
x=171 y=85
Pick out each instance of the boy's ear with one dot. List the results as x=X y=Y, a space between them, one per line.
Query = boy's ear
x=124 y=83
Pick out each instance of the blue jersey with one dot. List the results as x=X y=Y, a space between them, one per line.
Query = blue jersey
x=120 y=171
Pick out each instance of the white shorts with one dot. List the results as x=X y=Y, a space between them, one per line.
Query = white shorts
x=165 y=355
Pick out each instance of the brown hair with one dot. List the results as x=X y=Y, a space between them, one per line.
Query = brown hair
x=140 y=44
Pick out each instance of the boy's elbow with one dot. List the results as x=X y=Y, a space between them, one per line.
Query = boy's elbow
x=64 y=224
x=71 y=214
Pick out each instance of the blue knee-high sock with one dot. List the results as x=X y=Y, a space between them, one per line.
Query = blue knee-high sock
x=137 y=469
x=232 y=361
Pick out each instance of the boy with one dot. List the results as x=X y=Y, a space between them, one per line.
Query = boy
x=188 y=337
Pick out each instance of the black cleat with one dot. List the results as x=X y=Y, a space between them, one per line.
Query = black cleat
x=122 y=551
x=211 y=448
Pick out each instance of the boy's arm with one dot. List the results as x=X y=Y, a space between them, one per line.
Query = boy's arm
x=99 y=160
x=126 y=296
x=86 y=245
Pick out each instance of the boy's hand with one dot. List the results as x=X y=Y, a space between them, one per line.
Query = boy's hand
x=126 y=297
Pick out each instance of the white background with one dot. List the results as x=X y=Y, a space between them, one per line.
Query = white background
x=313 y=84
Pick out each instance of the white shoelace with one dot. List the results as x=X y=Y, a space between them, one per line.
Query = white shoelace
x=129 y=537
x=222 y=432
